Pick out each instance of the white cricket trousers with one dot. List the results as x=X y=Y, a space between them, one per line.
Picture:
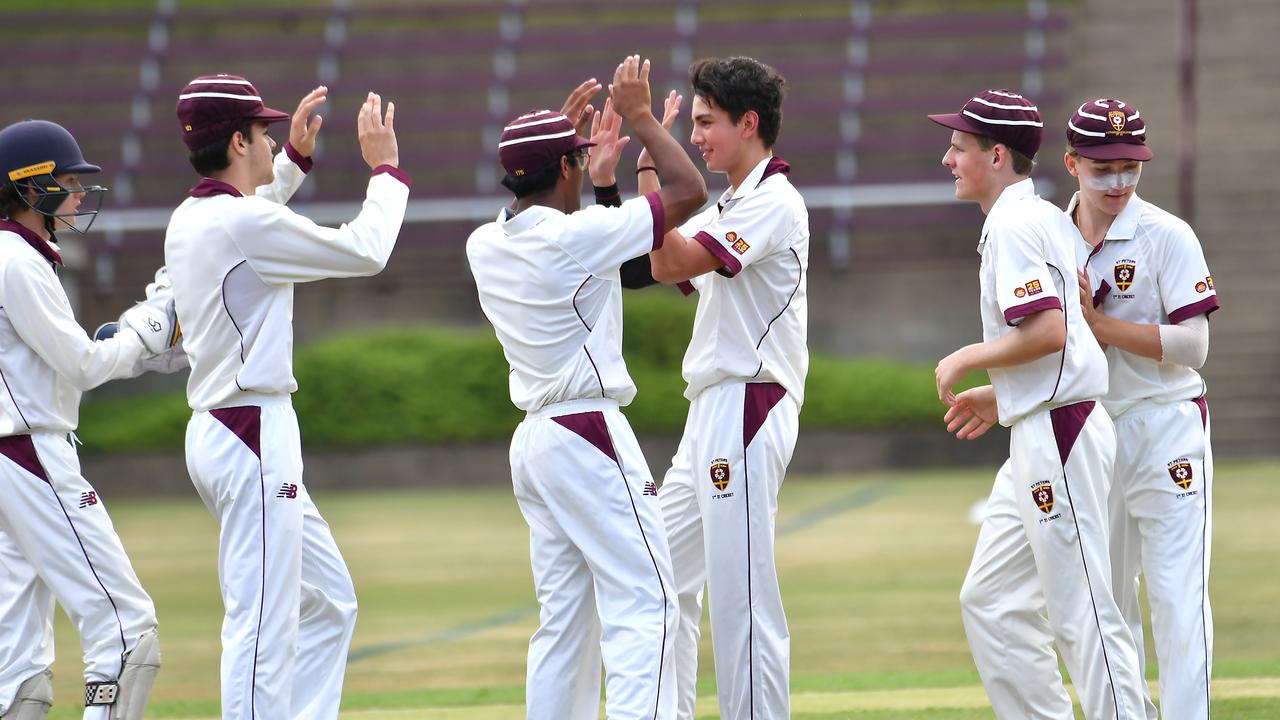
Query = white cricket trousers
x=57 y=543
x=601 y=568
x=1043 y=548
x=1161 y=523
x=720 y=502
x=290 y=604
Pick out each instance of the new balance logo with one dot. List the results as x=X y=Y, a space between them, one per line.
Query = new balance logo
x=288 y=490
x=651 y=488
x=88 y=498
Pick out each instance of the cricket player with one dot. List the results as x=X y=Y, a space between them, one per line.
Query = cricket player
x=547 y=274
x=1153 y=299
x=747 y=257
x=234 y=253
x=1043 y=543
x=56 y=540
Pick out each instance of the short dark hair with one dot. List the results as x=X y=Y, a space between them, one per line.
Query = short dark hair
x=1022 y=165
x=541 y=180
x=10 y=200
x=739 y=84
x=211 y=158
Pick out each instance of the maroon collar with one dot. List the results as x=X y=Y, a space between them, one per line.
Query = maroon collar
x=42 y=246
x=776 y=165
x=208 y=187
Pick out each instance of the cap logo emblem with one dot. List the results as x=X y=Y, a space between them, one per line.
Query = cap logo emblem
x=44 y=168
x=1117 y=120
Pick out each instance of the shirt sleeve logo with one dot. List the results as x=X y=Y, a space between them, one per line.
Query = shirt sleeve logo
x=1201 y=286
x=739 y=245
x=1124 y=272
x=1209 y=281
x=1034 y=287
x=1019 y=292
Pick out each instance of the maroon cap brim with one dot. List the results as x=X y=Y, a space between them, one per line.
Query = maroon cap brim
x=268 y=115
x=1116 y=151
x=956 y=121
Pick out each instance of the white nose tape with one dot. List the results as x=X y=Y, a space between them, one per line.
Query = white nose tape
x=1114 y=181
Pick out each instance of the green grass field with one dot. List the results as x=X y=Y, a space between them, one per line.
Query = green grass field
x=871 y=567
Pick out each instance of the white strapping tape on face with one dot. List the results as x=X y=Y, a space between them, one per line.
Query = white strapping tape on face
x=1114 y=181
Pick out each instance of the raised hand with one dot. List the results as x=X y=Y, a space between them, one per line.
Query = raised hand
x=605 y=126
x=630 y=89
x=577 y=107
x=377 y=136
x=304 y=128
x=670 y=113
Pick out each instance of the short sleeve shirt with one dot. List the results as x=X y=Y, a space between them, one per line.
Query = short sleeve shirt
x=752 y=318
x=548 y=282
x=1149 y=269
x=1028 y=250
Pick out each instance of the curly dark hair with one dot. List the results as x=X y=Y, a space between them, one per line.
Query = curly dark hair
x=740 y=84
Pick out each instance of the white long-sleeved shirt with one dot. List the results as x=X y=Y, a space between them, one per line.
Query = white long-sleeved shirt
x=234 y=260
x=47 y=360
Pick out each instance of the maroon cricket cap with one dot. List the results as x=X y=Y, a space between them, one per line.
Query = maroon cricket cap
x=537 y=139
x=1108 y=130
x=1003 y=116
x=212 y=106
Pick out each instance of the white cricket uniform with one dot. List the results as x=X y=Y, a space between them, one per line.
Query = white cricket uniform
x=1043 y=543
x=745 y=368
x=290 y=603
x=1150 y=269
x=548 y=282
x=56 y=540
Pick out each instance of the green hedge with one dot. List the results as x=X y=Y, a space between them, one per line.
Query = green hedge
x=426 y=384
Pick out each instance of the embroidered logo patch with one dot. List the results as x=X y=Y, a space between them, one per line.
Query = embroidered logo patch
x=1209 y=281
x=1034 y=288
x=88 y=498
x=1042 y=495
x=1180 y=471
x=1117 y=120
x=720 y=474
x=289 y=491
x=1019 y=292
x=1202 y=286
x=651 y=488
x=1124 y=272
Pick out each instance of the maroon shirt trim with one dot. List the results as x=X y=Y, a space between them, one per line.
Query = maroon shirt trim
x=1017 y=312
x=686 y=287
x=659 y=218
x=773 y=167
x=394 y=172
x=1202 y=307
x=304 y=163
x=208 y=187
x=731 y=266
x=1100 y=295
x=38 y=243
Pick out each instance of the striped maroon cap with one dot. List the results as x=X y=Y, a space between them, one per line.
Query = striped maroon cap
x=211 y=106
x=1108 y=130
x=537 y=139
x=1002 y=115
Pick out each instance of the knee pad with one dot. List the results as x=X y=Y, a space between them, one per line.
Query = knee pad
x=33 y=699
x=129 y=694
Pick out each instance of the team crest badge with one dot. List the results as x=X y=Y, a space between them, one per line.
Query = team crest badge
x=1180 y=471
x=1117 y=120
x=1019 y=292
x=1125 y=270
x=1202 y=286
x=1042 y=494
x=720 y=474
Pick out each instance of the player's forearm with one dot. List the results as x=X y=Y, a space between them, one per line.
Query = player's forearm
x=681 y=258
x=1137 y=338
x=1038 y=335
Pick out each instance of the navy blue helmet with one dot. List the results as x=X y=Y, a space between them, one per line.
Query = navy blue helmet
x=32 y=153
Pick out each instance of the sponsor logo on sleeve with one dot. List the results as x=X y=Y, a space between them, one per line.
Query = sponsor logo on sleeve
x=288 y=491
x=1034 y=287
x=1209 y=281
x=1019 y=292
x=88 y=498
x=1202 y=286
x=650 y=488
x=1124 y=274
x=739 y=245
